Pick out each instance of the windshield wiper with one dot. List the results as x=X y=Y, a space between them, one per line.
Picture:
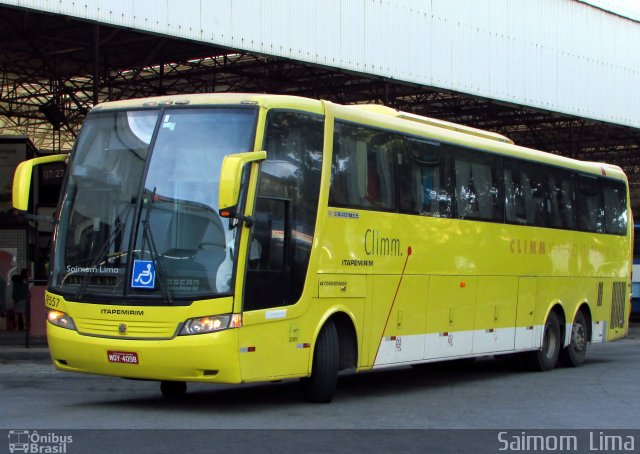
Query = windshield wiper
x=104 y=249
x=153 y=251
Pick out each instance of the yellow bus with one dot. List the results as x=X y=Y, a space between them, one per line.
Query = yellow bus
x=231 y=238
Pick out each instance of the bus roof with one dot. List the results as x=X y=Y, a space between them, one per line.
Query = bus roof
x=377 y=108
x=206 y=99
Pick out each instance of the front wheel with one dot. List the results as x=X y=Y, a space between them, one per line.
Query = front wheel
x=576 y=351
x=321 y=385
x=546 y=357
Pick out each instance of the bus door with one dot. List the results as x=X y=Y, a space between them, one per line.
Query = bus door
x=280 y=246
x=269 y=338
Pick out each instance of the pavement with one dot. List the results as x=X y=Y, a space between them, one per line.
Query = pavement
x=14 y=345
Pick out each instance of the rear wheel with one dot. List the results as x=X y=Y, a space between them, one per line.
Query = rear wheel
x=321 y=385
x=546 y=358
x=173 y=389
x=576 y=351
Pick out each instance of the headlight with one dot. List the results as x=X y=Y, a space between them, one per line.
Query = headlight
x=60 y=319
x=211 y=324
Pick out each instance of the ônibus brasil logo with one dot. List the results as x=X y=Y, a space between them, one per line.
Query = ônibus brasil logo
x=30 y=441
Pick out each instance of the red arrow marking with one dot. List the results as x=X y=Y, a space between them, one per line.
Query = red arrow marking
x=409 y=251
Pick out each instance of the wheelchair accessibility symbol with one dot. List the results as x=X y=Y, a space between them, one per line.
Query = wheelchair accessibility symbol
x=144 y=274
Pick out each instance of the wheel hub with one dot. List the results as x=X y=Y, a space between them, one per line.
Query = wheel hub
x=579 y=338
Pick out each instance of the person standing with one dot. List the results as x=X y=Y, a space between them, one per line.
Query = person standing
x=3 y=303
x=19 y=294
x=7 y=264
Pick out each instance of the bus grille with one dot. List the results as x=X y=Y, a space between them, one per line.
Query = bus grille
x=617 y=304
x=126 y=329
x=600 y=290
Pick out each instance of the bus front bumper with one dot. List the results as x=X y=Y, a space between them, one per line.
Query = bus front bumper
x=209 y=358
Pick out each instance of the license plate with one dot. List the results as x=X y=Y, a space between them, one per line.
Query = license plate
x=122 y=357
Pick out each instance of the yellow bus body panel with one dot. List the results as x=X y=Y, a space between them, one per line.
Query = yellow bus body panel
x=453 y=302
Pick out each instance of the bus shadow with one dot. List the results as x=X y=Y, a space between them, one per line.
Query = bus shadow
x=430 y=377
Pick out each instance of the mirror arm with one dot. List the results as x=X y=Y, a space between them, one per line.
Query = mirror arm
x=232 y=214
x=248 y=220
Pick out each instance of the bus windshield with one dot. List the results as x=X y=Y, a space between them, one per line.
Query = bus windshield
x=142 y=191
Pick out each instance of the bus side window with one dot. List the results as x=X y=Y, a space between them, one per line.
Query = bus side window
x=536 y=193
x=615 y=206
x=349 y=168
x=526 y=193
x=423 y=179
x=561 y=197
x=590 y=211
x=478 y=189
x=363 y=172
x=568 y=204
x=512 y=195
x=408 y=194
x=555 y=217
x=380 y=176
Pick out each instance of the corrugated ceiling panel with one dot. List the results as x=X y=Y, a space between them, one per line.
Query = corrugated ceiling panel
x=559 y=55
x=327 y=44
x=377 y=57
x=303 y=33
x=419 y=31
x=344 y=26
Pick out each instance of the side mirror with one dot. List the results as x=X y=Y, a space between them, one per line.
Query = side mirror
x=231 y=181
x=22 y=179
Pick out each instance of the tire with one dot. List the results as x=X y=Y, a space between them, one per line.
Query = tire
x=173 y=389
x=574 y=354
x=546 y=357
x=320 y=387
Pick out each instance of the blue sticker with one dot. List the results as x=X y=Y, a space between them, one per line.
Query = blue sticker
x=144 y=274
